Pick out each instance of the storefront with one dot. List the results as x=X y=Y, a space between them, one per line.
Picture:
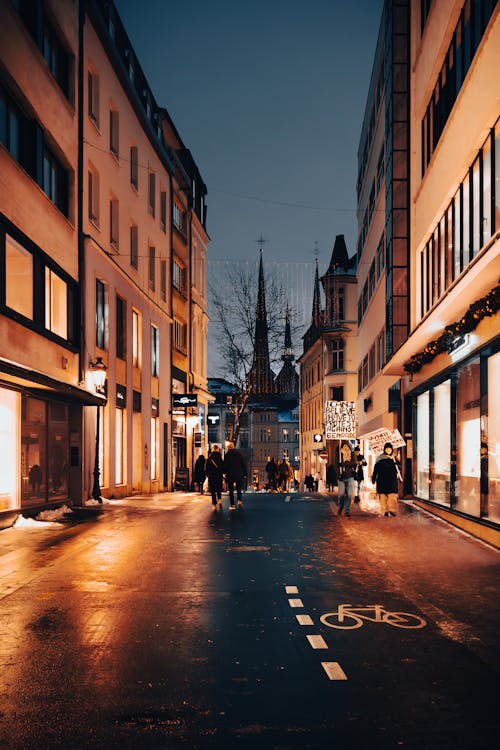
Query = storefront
x=40 y=442
x=456 y=431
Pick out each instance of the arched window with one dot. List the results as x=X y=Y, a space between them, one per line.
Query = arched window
x=337 y=354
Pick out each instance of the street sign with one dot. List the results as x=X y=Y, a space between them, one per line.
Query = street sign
x=318 y=437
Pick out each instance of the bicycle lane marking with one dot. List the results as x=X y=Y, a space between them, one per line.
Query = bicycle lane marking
x=332 y=669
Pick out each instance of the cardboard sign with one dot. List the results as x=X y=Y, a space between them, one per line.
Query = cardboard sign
x=340 y=420
x=379 y=438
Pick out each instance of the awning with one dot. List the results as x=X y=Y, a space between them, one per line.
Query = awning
x=24 y=377
x=378 y=438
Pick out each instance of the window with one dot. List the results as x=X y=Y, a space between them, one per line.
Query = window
x=154 y=448
x=136 y=339
x=152 y=268
x=134 y=246
x=179 y=218
x=113 y=223
x=151 y=193
x=381 y=350
x=93 y=97
x=155 y=351
x=114 y=132
x=100 y=314
x=380 y=257
x=337 y=355
x=121 y=328
x=120 y=447
x=9 y=125
x=163 y=280
x=180 y=335
x=163 y=210
x=18 y=278
x=285 y=436
x=56 y=58
x=56 y=304
x=179 y=276
x=134 y=166
x=371 y=362
x=93 y=195
x=55 y=181
x=337 y=393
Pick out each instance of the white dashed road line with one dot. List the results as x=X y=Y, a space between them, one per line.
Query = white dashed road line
x=332 y=668
x=304 y=619
x=317 y=641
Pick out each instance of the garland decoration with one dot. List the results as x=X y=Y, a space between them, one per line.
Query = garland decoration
x=481 y=308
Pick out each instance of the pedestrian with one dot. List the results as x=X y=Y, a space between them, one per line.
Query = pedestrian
x=360 y=474
x=35 y=479
x=213 y=468
x=309 y=482
x=272 y=474
x=235 y=469
x=347 y=476
x=385 y=475
x=331 y=477
x=199 y=474
x=285 y=473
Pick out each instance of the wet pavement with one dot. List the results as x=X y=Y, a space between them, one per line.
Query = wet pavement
x=156 y=623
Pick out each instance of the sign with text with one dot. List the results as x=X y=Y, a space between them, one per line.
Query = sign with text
x=379 y=438
x=340 y=420
x=184 y=399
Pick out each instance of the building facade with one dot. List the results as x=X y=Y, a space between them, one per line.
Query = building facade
x=450 y=363
x=329 y=360
x=89 y=179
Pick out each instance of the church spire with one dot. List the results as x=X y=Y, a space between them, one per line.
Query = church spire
x=316 y=308
x=287 y=380
x=261 y=377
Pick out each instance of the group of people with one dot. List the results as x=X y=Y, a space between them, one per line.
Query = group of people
x=279 y=475
x=386 y=475
x=231 y=469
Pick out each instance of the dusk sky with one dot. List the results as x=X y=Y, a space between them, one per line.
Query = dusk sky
x=269 y=97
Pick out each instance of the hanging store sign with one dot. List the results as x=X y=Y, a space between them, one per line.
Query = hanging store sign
x=340 y=420
x=184 y=399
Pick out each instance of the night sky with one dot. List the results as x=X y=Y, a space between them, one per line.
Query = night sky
x=269 y=97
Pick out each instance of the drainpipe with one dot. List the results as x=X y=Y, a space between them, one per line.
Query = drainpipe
x=81 y=254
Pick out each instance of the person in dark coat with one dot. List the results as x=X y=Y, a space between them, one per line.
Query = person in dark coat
x=199 y=474
x=272 y=474
x=360 y=474
x=213 y=468
x=331 y=478
x=235 y=469
x=386 y=475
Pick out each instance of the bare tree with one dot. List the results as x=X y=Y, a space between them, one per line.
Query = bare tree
x=234 y=301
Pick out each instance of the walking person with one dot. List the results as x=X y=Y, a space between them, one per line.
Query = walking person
x=272 y=474
x=347 y=477
x=285 y=474
x=199 y=474
x=213 y=468
x=385 y=475
x=235 y=469
x=331 y=477
x=360 y=474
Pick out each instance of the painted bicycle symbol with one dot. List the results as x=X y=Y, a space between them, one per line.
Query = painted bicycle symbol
x=348 y=617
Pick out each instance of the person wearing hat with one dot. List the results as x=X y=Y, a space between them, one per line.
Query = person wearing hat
x=386 y=475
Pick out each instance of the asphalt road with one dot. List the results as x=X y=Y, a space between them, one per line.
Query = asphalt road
x=159 y=624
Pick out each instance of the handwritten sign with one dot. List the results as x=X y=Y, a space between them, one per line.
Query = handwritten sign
x=379 y=438
x=340 y=420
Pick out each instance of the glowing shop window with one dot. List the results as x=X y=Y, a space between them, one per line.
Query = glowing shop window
x=442 y=442
x=154 y=447
x=423 y=445
x=119 y=467
x=19 y=278
x=493 y=439
x=56 y=304
x=9 y=440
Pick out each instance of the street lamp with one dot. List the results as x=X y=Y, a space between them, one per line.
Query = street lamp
x=98 y=370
